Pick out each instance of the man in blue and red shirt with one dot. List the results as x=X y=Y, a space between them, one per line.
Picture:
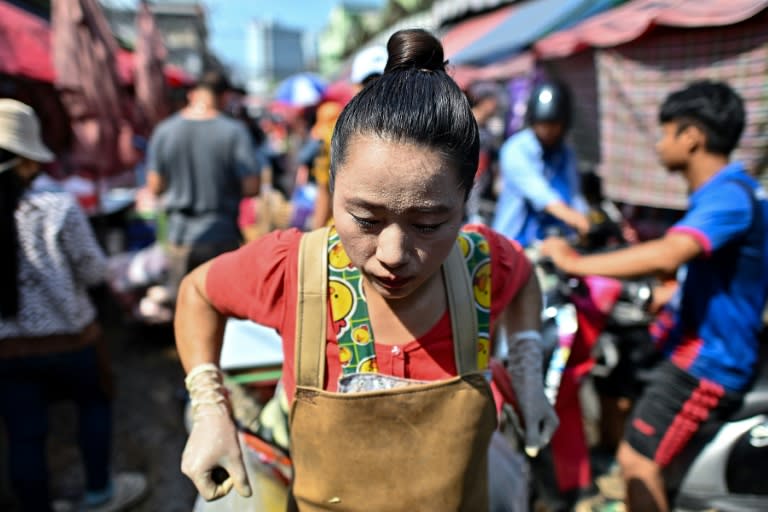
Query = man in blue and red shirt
x=719 y=250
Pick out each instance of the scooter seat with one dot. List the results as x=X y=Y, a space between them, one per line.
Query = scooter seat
x=756 y=400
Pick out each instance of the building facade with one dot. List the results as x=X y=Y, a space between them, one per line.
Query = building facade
x=183 y=26
x=274 y=52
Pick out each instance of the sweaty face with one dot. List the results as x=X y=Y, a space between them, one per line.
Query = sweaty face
x=397 y=208
x=674 y=147
x=549 y=133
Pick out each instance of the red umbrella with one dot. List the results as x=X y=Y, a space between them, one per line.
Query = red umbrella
x=177 y=77
x=340 y=91
x=84 y=52
x=150 y=84
x=126 y=70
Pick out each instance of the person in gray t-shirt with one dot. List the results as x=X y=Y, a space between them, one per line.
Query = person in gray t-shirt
x=203 y=163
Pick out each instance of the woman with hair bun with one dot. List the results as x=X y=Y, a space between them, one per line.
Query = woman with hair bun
x=386 y=317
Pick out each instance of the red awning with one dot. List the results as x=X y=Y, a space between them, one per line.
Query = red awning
x=25 y=44
x=633 y=19
x=126 y=70
x=25 y=50
x=467 y=32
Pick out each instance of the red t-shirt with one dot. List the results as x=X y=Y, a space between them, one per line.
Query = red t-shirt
x=259 y=282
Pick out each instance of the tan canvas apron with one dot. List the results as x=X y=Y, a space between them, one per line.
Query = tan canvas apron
x=420 y=448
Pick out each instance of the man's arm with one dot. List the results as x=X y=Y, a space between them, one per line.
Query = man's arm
x=155 y=183
x=568 y=215
x=250 y=185
x=522 y=169
x=664 y=255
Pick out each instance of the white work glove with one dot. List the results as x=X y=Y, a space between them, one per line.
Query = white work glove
x=525 y=369
x=212 y=458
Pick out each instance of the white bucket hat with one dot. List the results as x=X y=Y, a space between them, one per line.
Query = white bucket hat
x=20 y=132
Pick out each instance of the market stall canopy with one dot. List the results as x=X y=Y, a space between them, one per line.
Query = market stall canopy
x=126 y=69
x=621 y=88
x=84 y=53
x=467 y=32
x=518 y=65
x=150 y=85
x=527 y=23
x=25 y=44
x=633 y=19
x=445 y=10
x=25 y=50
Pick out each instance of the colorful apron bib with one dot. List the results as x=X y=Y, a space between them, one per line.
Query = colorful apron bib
x=351 y=322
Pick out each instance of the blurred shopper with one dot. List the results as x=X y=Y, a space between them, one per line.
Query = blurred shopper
x=50 y=341
x=540 y=188
x=367 y=65
x=315 y=161
x=484 y=100
x=203 y=162
x=708 y=332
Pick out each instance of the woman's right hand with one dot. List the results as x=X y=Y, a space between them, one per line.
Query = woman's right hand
x=212 y=458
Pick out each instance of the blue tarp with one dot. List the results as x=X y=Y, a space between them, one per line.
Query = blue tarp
x=526 y=24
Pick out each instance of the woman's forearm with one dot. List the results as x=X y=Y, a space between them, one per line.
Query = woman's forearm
x=198 y=326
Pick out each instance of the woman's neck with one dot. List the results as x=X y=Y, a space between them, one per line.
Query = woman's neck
x=402 y=320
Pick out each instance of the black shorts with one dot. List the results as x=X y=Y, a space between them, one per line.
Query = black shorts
x=672 y=409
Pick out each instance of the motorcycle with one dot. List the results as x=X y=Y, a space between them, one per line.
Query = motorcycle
x=596 y=329
x=582 y=319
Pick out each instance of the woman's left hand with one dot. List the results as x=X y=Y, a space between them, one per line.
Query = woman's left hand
x=539 y=417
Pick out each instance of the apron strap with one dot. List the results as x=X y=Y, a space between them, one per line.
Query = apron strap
x=311 y=309
x=462 y=310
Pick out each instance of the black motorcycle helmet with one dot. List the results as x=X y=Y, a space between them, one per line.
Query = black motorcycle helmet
x=549 y=102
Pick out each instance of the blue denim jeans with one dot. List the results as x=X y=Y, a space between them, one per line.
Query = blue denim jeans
x=27 y=387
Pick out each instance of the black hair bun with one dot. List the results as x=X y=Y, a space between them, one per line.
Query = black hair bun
x=414 y=49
